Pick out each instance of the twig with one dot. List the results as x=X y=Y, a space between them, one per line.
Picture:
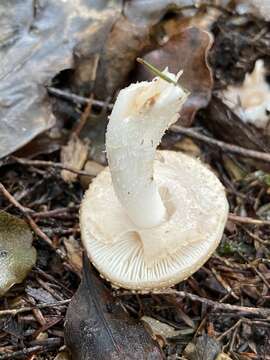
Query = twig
x=20 y=353
x=13 y=201
x=85 y=115
x=43 y=163
x=50 y=343
x=234 y=149
x=263 y=312
x=248 y=220
x=76 y=98
x=39 y=232
x=239 y=322
x=224 y=283
x=255 y=237
x=14 y=312
x=55 y=212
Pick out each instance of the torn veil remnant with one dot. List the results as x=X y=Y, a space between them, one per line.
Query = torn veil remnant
x=152 y=218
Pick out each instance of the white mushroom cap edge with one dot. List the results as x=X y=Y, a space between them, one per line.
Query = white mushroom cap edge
x=152 y=218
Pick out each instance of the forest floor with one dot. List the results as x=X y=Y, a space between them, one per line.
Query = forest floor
x=221 y=309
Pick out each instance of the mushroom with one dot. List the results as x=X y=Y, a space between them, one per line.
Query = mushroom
x=251 y=100
x=152 y=218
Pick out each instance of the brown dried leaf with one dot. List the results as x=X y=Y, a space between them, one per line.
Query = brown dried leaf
x=150 y=11
x=98 y=328
x=227 y=126
x=74 y=154
x=74 y=253
x=62 y=355
x=159 y=328
x=203 y=348
x=188 y=146
x=17 y=256
x=187 y=51
x=223 y=356
x=118 y=42
x=93 y=168
x=35 y=45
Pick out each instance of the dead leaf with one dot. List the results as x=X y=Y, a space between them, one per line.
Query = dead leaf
x=93 y=168
x=203 y=18
x=17 y=256
x=35 y=45
x=42 y=144
x=118 y=42
x=40 y=295
x=187 y=51
x=74 y=154
x=203 y=348
x=227 y=126
x=223 y=356
x=235 y=171
x=63 y=355
x=160 y=329
x=149 y=12
x=74 y=252
x=97 y=327
x=189 y=147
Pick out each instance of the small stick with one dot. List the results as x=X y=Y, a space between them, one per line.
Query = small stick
x=55 y=212
x=14 y=312
x=85 y=115
x=263 y=312
x=234 y=149
x=13 y=201
x=43 y=163
x=77 y=98
x=248 y=220
x=38 y=347
x=25 y=351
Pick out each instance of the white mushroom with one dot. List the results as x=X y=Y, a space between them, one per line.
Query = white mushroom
x=251 y=100
x=152 y=218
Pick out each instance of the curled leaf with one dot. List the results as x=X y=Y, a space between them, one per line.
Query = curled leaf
x=17 y=256
x=73 y=154
x=186 y=51
x=98 y=328
x=162 y=330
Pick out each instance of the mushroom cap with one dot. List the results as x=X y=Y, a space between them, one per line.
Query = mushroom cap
x=197 y=212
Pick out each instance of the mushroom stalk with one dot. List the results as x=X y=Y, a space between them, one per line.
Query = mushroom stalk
x=141 y=115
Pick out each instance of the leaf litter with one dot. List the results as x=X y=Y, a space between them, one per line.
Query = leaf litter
x=17 y=256
x=221 y=311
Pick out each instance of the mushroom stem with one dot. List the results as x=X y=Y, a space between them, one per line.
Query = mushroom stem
x=141 y=115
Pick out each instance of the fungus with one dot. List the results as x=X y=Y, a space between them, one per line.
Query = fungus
x=152 y=218
x=251 y=100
